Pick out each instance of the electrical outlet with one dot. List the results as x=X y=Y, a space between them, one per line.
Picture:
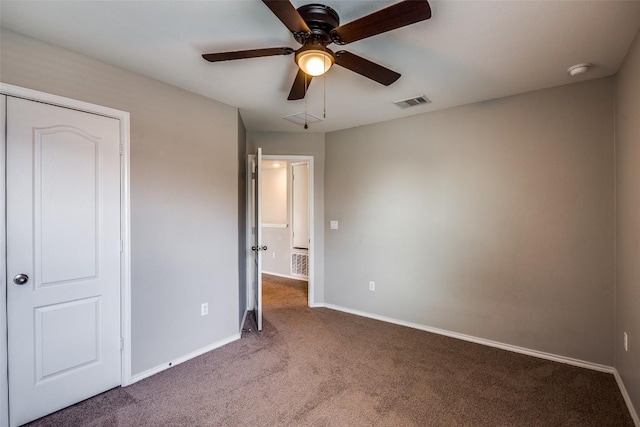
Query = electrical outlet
x=372 y=286
x=273 y=255
x=626 y=342
x=204 y=309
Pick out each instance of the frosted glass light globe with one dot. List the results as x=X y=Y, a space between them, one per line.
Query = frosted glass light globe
x=314 y=62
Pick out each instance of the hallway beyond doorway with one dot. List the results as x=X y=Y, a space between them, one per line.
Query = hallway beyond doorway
x=281 y=292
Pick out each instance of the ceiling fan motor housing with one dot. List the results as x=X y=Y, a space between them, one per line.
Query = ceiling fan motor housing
x=321 y=20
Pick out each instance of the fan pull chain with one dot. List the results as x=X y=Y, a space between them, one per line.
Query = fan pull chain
x=324 y=86
x=306 y=125
x=324 y=101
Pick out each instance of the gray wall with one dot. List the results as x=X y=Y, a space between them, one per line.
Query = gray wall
x=242 y=219
x=278 y=242
x=184 y=189
x=494 y=220
x=302 y=144
x=628 y=221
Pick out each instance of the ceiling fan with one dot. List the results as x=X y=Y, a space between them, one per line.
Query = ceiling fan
x=315 y=26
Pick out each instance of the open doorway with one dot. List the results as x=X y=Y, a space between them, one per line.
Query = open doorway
x=285 y=218
x=286 y=226
x=285 y=231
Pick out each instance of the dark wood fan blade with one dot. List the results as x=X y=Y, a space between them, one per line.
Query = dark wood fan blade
x=242 y=54
x=288 y=14
x=300 y=86
x=366 y=68
x=390 y=18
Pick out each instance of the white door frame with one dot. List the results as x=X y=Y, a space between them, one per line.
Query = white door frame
x=249 y=260
x=125 y=230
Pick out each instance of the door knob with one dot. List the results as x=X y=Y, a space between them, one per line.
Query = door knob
x=264 y=248
x=21 y=279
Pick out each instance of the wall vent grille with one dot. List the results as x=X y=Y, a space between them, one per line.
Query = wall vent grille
x=413 y=102
x=300 y=264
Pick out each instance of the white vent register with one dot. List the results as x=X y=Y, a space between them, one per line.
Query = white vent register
x=300 y=264
x=413 y=102
x=302 y=118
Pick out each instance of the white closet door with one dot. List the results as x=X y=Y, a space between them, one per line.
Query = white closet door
x=63 y=257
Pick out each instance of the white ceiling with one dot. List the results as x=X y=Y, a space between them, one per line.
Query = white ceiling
x=468 y=51
x=273 y=164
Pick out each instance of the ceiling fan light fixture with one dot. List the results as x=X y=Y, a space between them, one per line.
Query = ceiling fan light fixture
x=315 y=26
x=314 y=62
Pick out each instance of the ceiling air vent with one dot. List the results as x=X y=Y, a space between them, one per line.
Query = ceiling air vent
x=413 y=102
x=299 y=118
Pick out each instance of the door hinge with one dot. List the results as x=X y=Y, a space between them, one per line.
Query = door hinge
x=121 y=343
x=121 y=150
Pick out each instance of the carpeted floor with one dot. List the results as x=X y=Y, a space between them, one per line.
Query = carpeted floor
x=325 y=368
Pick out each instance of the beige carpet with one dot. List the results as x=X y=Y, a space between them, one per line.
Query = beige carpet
x=325 y=368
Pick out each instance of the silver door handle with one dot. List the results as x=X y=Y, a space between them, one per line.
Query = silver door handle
x=21 y=279
x=258 y=248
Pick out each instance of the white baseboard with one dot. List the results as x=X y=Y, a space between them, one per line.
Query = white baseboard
x=627 y=398
x=304 y=278
x=508 y=347
x=496 y=344
x=182 y=359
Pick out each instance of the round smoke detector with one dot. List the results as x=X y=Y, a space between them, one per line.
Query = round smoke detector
x=574 y=70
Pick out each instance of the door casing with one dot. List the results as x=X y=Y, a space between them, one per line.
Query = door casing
x=248 y=243
x=125 y=230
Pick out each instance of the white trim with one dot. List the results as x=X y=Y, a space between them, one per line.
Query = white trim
x=61 y=101
x=627 y=398
x=125 y=226
x=248 y=260
x=286 y=276
x=182 y=359
x=490 y=343
x=4 y=390
x=125 y=256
